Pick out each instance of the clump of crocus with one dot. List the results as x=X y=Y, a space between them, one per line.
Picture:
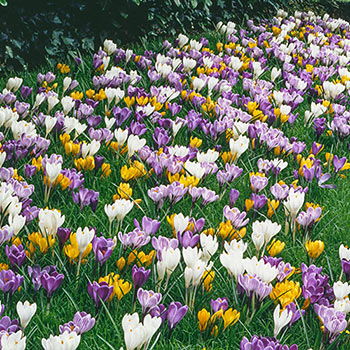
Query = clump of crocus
x=82 y=323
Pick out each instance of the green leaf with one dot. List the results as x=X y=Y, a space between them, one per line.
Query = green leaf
x=3 y=2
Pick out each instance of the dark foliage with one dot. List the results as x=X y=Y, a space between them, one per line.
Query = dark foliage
x=34 y=30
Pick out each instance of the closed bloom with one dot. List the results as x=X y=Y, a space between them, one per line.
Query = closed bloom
x=314 y=248
x=84 y=238
x=176 y=312
x=203 y=318
x=281 y=319
x=124 y=206
x=25 y=312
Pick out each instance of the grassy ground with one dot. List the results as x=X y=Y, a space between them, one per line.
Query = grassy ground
x=333 y=229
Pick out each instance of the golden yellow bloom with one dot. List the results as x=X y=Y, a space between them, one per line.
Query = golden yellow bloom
x=37 y=163
x=145 y=259
x=65 y=182
x=63 y=68
x=272 y=205
x=228 y=157
x=286 y=292
x=252 y=106
x=228 y=233
x=208 y=278
x=77 y=95
x=106 y=169
x=3 y=266
x=195 y=142
x=275 y=247
x=87 y=163
x=276 y=30
x=41 y=242
x=129 y=101
x=89 y=93
x=189 y=180
x=315 y=248
x=64 y=138
x=121 y=263
x=16 y=241
x=203 y=318
x=230 y=317
x=248 y=204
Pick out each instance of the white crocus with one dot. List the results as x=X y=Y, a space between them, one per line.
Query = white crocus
x=209 y=246
x=53 y=170
x=344 y=252
x=267 y=229
x=84 y=238
x=281 y=319
x=13 y=341
x=135 y=144
x=50 y=221
x=233 y=263
x=65 y=341
x=294 y=202
x=2 y=158
x=13 y=84
x=67 y=104
x=134 y=332
x=123 y=206
x=52 y=101
x=121 y=136
x=182 y=39
x=66 y=83
x=180 y=223
x=275 y=73
x=341 y=290
x=239 y=146
x=16 y=222
x=109 y=47
x=25 y=312
x=191 y=256
x=50 y=122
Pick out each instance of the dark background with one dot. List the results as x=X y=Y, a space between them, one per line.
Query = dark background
x=32 y=32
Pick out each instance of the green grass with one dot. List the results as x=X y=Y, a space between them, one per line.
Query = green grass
x=333 y=229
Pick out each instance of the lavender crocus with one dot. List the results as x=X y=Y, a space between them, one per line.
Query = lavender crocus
x=6 y=233
x=9 y=281
x=103 y=249
x=262 y=343
x=176 y=312
x=148 y=299
x=82 y=323
x=219 y=303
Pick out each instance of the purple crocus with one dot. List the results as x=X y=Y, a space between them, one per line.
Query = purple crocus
x=9 y=281
x=139 y=276
x=149 y=225
x=51 y=282
x=219 y=303
x=334 y=321
x=159 y=311
x=99 y=292
x=103 y=249
x=262 y=343
x=188 y=239
x=16 y=255
x=148 y=299
x=176 y=312
x=82 y=323
x=63 y=234
x=6 y=232
x=338 y=163
x=9 y=326
x=86 y=197
x=234 y=194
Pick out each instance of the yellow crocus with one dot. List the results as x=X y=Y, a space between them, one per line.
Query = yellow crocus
x=203 y=318
x=286 y=292
x=314 y=248
x=230 y=317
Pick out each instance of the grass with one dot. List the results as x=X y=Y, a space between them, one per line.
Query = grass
x=333 y=229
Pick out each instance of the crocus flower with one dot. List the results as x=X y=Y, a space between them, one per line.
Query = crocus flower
x=139 y=276
x=175 y=314
x=82 y=323
x=99 y=292
x=50 y=282
x=9 y=281
x=16 y=255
